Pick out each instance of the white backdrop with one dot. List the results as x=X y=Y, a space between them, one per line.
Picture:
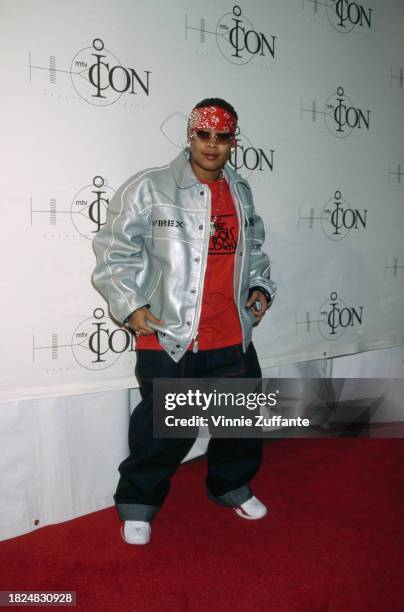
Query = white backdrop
x=94 y=91
x=331 y=193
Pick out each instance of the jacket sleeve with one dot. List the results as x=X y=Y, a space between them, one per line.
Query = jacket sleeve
x=260 y=267
x=118 y=247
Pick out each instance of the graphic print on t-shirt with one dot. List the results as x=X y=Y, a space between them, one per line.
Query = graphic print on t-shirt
x=224 y=240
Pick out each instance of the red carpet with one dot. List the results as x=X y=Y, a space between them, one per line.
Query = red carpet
x=333 y=541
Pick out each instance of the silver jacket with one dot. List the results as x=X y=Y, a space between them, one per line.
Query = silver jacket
x=153 y=251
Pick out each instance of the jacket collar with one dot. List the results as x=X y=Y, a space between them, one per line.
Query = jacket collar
x=182 y=170
x=184 y=176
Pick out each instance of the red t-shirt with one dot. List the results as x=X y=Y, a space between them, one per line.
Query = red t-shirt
x=219 y=323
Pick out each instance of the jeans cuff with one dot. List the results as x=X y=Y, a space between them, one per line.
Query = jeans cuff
x=137 y=512
x=232 y=498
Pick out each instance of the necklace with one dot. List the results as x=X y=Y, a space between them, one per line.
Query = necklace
x=213 y=222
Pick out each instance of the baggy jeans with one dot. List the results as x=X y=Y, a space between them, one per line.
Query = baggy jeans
x=232 y=462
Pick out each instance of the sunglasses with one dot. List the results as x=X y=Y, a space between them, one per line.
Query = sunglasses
x=219 y=137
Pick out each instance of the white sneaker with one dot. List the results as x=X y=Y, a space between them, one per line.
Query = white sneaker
x=252 y=509
x=136 y=532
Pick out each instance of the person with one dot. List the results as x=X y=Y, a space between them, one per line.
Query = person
x=180 y=263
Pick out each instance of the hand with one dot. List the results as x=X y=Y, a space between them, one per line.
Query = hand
x=138 y=322
x=257 y=296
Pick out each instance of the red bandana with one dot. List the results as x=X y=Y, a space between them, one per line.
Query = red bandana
x=211 y=118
